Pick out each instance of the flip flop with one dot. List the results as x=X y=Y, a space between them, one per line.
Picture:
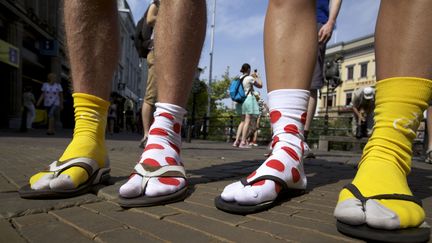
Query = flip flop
x=97 y=176
x=236 y=208
x=365 y=232
x=147 y=172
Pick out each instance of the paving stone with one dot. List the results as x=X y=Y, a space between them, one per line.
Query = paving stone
x=125 y=235
x=289 y=232
x=160 y=229
x=209 y=212
x=85 y=221
x=33 y=219
x=14 y=206
x=220 y=230
x=8 y=233
x=5 y=185
x=52 y=231
x=104 y=206
x=285 y=219
x=158 y=212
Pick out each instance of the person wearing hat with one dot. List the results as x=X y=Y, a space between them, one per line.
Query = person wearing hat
x=363 y=106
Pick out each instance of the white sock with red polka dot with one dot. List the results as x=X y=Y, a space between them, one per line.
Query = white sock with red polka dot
x=163 y=148
x=287 y=115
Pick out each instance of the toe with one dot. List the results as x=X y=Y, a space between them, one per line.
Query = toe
x=350 y=211
x=231 y=190
x=132 y=188
x=41 y=182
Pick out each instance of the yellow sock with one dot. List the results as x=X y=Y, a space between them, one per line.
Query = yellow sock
x=386 y=159
x=89 y=136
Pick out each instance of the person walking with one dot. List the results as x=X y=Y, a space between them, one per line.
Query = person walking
x=29 y=111
x=52 y=96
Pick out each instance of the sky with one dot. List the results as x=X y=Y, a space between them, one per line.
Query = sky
x=239 y=32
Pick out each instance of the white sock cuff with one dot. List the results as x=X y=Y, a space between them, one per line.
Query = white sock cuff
x=288 y=98
x=174 y=110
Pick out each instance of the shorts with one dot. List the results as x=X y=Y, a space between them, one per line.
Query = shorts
x=53 y=111
x=318 y=74
x=151 y=90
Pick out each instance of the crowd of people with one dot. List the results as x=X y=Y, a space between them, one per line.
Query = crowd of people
x=377 y=205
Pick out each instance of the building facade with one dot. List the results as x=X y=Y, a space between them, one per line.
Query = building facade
x=131 y=75
x=357 y=70
x=31 y=47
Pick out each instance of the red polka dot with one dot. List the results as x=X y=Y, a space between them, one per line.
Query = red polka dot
x=153 y=146
x=259 y=183
x=275 y=116
x=276 y=164
x=291 y=128
x=151 y=162
x=291 y=152
x=295 y=175
x=175 y=147
x=275 y=141
x=251 y=175
x=159 y=132
x=169 y=181
x=171 y=160
x=303 y=118
x=302 y=147
x=177 y=128
x=278 y=188
x=167 y=115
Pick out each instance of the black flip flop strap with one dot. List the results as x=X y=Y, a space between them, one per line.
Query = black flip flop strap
x=355 y=191
x=265 y=177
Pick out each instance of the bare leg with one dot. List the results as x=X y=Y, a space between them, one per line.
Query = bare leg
x=93 y=44
x=404 y=69
x=429 y=127
x=239 y=131
x=147 y=119
x=311 y=110
x=93 y=48
x=176 y=62
x=245 y=129
x=290 y=44
x=179 y=37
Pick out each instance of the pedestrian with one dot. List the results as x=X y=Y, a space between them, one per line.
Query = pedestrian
x=29 y=110
x=262 y=112
x=363 y=105
x=428 y=132
x=249 y=107
x=52 y=96
x=150 y=98
x=112 y=115
x=326 y=15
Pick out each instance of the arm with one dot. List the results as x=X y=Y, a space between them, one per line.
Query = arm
x=40 y=100
x=152 y=14
x=326 y=30
x=257 y=80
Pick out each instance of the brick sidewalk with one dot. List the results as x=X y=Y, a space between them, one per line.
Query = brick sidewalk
x=210 y=166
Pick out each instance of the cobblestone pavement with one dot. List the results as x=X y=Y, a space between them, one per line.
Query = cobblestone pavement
x=210 y=165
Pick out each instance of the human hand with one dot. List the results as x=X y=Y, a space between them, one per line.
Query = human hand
x=325 y=33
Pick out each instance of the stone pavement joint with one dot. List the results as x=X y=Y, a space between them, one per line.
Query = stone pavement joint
x=96 y=217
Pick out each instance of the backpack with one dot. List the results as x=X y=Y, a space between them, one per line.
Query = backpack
x=143 y=33
x=236 y=90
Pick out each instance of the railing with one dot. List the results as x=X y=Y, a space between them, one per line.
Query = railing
x=224 y=128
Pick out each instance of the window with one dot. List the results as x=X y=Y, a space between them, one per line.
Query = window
x=330 y=101
x=350 y=72
x=363 y=70
x=348 y=98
